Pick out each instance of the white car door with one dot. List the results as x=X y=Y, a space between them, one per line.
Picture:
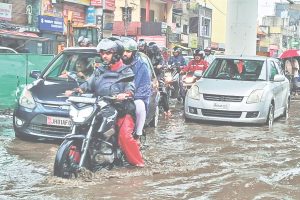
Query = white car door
x=276 y=87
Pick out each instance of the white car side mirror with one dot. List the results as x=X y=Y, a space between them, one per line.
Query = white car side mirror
x=279 y=78
x=198 y=73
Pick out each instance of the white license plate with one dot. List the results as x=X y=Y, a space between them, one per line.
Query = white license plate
x=58 y=121
x=221 y=106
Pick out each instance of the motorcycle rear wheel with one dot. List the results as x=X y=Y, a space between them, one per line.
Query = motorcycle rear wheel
x=65 y=165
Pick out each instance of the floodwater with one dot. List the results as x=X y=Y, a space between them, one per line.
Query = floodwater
x=183 y=161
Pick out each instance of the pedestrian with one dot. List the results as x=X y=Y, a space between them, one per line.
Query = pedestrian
x=208 y=56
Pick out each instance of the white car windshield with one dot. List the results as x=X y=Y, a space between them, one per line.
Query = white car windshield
x=237 y=69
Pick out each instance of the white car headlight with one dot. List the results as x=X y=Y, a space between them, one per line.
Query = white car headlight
x=255 y=96
x=80 y=116
x=26 y=100
x=194 y=93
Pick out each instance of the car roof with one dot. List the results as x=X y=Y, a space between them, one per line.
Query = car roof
x=8 y=49
x=81 y=49
x=262 y=58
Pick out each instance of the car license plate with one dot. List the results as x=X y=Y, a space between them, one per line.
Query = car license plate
x=58 y=121
x=221 y=106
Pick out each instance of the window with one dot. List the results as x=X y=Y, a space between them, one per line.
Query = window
x=205 y=27
x=126 y=14
x=143 y=15
x=185 y=29
x=273 y=71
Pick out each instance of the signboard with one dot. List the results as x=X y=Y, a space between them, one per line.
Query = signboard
x=109 y=5
x=96 y=3
x=5 y=11
x=49 y=9
x=48 y=23
x=82 y=2
x=90 y=15
x=77 y=12
x=193 y=40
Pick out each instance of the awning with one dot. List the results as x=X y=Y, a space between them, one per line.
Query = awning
x=21 y=35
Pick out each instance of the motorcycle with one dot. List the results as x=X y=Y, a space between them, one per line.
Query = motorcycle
x=171 y=80
x=188 y=80
x=93 y=141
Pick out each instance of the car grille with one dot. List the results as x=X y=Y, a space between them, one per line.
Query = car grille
x=221 y=113
x=49 y=130
x=213 y=97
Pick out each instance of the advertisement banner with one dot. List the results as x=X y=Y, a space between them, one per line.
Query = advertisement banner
x=109 y=5
x=50 y=9
x=5 y=11
x=77 y=12
x=193 y=40
x=91 y=15
x=48 y=23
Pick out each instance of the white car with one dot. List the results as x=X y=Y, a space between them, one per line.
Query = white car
x=240 y=89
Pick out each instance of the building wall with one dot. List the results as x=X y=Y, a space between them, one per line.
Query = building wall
x=136 y=11
x=219 y=16
x=158 y=8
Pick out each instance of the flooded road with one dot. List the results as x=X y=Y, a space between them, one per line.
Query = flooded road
x=183 y=161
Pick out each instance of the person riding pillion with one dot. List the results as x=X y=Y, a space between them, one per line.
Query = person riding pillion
x=104 y=82
x=142 y=81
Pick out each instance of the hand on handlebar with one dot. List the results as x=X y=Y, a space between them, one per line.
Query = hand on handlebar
x=122 y=96
x=70 y=92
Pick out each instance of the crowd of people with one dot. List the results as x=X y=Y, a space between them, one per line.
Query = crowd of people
x=121 y=57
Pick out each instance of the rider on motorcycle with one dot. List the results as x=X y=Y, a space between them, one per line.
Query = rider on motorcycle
x=142 y=81
x=142 y=46
x=104 y=82
x=198 y=63
x=177 y=61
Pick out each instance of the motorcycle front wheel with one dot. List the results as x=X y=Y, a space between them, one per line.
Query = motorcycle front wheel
x=67 y=160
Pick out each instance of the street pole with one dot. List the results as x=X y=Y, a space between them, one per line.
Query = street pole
x=125 y=18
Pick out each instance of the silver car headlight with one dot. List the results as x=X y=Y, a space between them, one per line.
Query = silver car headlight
x=194 y=93
x=255 y=96
x=79 y=116
x=26 y=100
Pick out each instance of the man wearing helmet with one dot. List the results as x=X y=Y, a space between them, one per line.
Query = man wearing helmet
x=142 y=81
x=104 y=82
x=198 y=63
x=208 y=56
x=177 y=61
x=142 y=46
x=80 y=41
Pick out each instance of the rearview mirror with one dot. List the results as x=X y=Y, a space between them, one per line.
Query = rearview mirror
x=35 y=74
x=279 y=78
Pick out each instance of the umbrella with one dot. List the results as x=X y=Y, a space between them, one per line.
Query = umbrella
x=290 y=53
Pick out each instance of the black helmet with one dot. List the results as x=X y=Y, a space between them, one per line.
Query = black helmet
x=113 y=46
x=142 y=45
x=129 y=44
x=153 y=48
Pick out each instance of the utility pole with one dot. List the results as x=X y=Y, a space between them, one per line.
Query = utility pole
x=126 y=17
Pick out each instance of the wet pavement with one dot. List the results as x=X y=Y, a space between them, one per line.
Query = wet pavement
x=183 y=161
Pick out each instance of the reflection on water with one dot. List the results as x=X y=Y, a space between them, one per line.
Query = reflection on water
x=184 y=161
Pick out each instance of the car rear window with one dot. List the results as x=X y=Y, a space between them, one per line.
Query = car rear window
x=236 y=69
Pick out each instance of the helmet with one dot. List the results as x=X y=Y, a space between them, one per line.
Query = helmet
x=198 y=52
x=80 y=39
x=115 y=47
x=177 y=49
x=142 y=45
x=86 y=41
x=129 y=44
x=153 y=48
x=207 y=49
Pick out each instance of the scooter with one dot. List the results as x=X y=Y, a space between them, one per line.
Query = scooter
x=171 y=79
x=187 y=80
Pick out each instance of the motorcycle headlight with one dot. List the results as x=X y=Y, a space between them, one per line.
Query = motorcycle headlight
x=255 y=96
x=79 y=116
x=26 y=100
x=189 y=80
x=194 y=93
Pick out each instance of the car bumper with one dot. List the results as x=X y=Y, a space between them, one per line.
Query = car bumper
x=34 y=123
x=238 y=112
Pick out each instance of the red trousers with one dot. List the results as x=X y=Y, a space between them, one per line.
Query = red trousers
x=128 y=144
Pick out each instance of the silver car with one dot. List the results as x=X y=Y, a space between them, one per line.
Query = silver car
x=240 y=89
